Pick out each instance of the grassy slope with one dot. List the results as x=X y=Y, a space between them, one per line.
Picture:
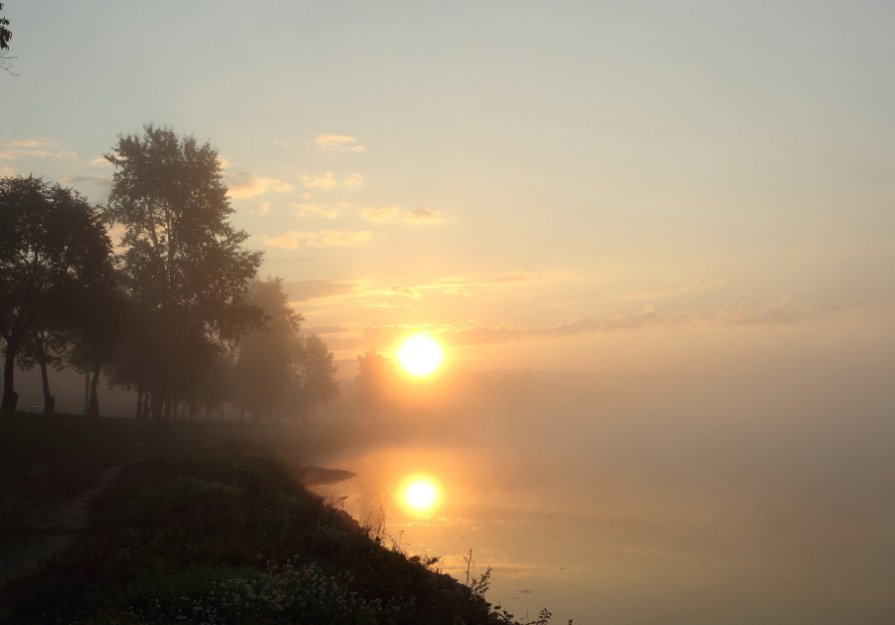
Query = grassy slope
x=47 y=459
x=226 y=535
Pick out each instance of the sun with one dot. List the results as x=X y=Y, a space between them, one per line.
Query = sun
x=420 y=355
x=420 y=494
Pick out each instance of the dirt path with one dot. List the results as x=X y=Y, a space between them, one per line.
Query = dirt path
x=55 y=527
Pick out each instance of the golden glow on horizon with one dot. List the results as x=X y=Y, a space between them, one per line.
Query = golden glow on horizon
x=420 y=355
x=420 y=494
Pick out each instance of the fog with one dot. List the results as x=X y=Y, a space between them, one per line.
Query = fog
x=757 y=484
x=731 y=477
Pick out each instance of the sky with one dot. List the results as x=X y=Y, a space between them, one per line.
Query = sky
x=502 y=174
x=685 y=208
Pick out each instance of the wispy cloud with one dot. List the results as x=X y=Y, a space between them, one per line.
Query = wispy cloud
x=96 y=187
x=116 y=232
x=305 y=290
x=331 y=141
x=353 y=181
x=30 y=143
x=384 y=214
x=295 y=239
x=325 y=181
x=263 y=209
x=316 y=210
x=425 y=216
x=405 y=291
x=693 y=287
x=243 y=184
x=36 y=148
x=774 y=312
x=395 y=214
x=328 y=180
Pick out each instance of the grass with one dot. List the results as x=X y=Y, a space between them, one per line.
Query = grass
x=47 y=459
x=226 y=536
x=202 y=532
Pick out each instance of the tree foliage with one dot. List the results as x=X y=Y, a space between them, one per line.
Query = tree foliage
x=5 y=36
x=375 y=377
x=180 y=249
x=54 y=255
x=183 y=264
x=5 y=33
x=279 y=373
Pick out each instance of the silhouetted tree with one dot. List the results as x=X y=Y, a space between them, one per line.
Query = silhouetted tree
x=317 y=376
x=44 y=347
x=213 y=388
x=53 y=247
x=183 y=264
x=375 y=376
x=267 y=356
x=5 y=36
x=278 y=372
x=95 y=340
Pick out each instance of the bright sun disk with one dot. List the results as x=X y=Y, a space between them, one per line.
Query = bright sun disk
x=420 y=355
x=420 y=494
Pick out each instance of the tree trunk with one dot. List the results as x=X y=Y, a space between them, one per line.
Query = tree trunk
x=49 y=400
x=10 y=397
x=157 y=411
x=139 y=414
x=94 y=399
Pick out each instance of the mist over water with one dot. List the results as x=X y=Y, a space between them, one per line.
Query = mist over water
x=752 y=486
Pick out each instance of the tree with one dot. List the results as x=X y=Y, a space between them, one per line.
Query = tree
x=279 y=373
x=53 y=247
x=265 y=367
x=317 y=376
x=183 y=264
x=5 y=36
x=93 y=345
x=375 y=377
x=44 y=346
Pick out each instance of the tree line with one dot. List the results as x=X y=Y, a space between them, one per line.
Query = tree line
x=176 y=312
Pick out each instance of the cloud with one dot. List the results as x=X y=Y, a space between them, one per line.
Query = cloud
x=295 y=239
x=243 y=185
x=779 y=311
x=36 y=148
x=381 y=215
x=99 y=161
x=773 y=312
x=693 y=287
x=325 y=181
x=304 y=290
x=353 y=181
x=96 y=186
x=316 y=210
x=395 y=214
x=329 y=141
x=405 y=291
x=29 y=143
x=328 y=180
x=425 y=216
x=116 y=232
x=262 y=209
x=6 y=170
